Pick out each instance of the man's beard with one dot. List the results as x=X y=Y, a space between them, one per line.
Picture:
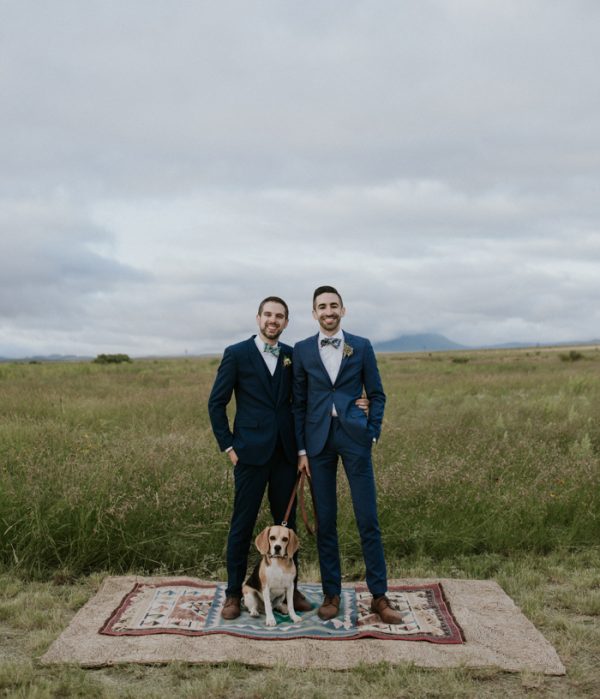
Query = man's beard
x=330 y=327
x=272 y=333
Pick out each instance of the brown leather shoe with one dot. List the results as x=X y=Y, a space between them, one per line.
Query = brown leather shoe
x=301 y=604
x=387 y=613
x=330 y=607
x=231 y=608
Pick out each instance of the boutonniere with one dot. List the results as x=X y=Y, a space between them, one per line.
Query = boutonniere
x=348 y=350
x=287 y=361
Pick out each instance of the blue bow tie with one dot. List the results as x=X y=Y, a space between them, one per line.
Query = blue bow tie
x=335 y=341
x=271 y=349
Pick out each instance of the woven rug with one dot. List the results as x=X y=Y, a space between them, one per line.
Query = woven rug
x=494 y=630
x=194 y=609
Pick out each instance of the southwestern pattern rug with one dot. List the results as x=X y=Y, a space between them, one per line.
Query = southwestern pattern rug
x=495 y=633
x=194 y=609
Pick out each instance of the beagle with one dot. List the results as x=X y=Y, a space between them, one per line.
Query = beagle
x=271 y=583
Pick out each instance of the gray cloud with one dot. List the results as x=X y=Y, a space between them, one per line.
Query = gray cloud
x=188 y=96
x=166 y=165
x=55 y=271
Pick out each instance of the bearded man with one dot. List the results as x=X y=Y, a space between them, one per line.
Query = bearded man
x=261 y=446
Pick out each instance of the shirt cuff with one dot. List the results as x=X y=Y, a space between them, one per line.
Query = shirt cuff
x=302 y=452
x=228 y=450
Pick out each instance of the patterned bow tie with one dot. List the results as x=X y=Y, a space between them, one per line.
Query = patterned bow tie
x=335 y=341
x=271 y=349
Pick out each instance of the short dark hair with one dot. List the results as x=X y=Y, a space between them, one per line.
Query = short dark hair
x=274 y=299
x=326 y=290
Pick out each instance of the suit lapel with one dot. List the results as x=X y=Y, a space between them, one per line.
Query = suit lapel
x=345 y=357
x=285 y=375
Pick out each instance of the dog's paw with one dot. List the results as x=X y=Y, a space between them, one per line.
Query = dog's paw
x=271 y=621
x=254 y=612
x=295 y=618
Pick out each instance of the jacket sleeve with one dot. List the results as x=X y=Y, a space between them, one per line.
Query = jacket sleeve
x=374 y=390
x=299 y=394
x=219 y=398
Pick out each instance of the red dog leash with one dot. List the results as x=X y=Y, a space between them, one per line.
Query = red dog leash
x=299 y=491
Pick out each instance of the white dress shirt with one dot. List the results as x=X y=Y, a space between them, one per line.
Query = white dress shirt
x=332 y=359
x=270 y=359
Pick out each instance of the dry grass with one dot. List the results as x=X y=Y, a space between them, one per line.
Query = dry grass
x=558 y=592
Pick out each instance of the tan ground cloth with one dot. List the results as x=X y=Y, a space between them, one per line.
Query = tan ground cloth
x=497 y=635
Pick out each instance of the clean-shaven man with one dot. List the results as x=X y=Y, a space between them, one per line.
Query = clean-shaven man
x=331 y=370
x=261 y=447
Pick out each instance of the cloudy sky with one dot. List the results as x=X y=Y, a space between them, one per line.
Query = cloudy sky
x=164 y=165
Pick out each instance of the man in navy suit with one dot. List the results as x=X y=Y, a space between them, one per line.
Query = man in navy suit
x=261 y=447
x=331 y=369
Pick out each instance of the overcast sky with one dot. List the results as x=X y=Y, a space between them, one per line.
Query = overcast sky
x=165 y=165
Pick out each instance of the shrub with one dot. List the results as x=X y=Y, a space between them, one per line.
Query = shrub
x=112 y=358
x=572 y=356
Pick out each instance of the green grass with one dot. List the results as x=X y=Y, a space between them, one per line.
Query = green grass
x=487 y=468
x=115 y=467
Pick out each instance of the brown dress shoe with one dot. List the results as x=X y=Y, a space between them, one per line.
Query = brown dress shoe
x=330 y=607
x=231 y=608
x=301 y=604
x=387 y=613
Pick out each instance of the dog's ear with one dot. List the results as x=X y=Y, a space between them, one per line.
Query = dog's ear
x=262 y=541
x=293 y=543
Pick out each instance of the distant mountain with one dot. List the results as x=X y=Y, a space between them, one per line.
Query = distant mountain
x=421 y=342
x=434 y=342
x=424 y=342
x=48 y=358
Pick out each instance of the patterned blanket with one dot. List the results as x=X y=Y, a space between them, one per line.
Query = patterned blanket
x=193 y=609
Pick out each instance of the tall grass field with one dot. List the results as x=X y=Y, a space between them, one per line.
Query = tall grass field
x=488 y=467
x=114 y=467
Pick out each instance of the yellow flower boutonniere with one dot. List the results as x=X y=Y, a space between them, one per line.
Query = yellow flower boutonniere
x=287 y=361
x=348 y=350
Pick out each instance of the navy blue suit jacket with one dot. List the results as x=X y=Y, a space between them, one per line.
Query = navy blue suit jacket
x=314 y=393
x=263 y=403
